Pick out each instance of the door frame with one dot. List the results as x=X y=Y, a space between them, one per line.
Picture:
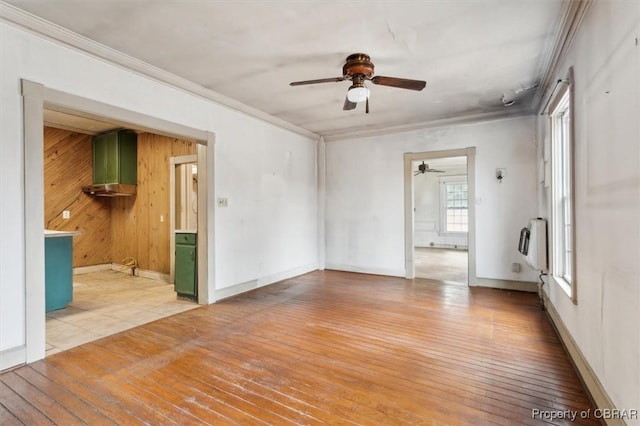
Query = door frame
x=36 y=98
x=409 y=225
x=173 y=162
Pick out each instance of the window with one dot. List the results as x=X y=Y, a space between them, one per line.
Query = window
x=562 y=191
x=454 y=207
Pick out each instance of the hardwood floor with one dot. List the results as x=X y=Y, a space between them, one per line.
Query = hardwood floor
x=442 y=264
x=324 y=348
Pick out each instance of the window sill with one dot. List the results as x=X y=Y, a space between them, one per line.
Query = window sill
x=564 y=285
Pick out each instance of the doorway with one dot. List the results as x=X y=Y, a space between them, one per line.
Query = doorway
x=37 y=98
x=440 y=215
x=120 y=252
x=183 y=201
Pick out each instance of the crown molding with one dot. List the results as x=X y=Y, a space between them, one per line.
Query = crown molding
x=53 y=32
x=572 y=16
x=517 y=112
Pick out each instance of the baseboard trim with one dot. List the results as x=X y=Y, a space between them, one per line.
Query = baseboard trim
x=234 y=290
x=153 y=275
x=91 y=268
x=158 y=276
x=527 y=286
x=12 y=358
x=595 y=389
x=284 y=275
x=365 y=270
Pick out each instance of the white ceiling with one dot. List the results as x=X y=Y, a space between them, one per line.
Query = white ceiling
x=470 y=52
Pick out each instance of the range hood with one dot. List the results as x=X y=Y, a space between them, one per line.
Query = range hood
x=110 y=190
x=115 y=163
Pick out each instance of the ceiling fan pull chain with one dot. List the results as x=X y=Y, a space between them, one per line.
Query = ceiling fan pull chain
x=367 y=106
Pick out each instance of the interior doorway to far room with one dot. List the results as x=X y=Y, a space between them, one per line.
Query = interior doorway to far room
x=439 y=216
x=441 y=219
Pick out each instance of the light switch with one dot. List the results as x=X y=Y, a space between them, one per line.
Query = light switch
x=66 y=214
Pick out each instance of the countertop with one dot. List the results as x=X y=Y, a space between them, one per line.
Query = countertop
x=50 y=233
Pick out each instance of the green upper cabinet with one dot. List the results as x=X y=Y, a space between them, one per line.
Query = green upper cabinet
x=115 y=158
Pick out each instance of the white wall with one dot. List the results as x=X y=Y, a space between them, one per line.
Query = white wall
x=269 y=229
x=365 y=208
x=427 y=203
x=605 y=322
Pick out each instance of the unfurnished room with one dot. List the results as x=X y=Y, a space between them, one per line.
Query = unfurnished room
x=320 y=212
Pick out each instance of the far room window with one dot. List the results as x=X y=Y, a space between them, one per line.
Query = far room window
x=454 y=205
x=562 y=191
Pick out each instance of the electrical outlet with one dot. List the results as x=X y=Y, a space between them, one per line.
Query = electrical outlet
x=66 y=214
x=515 y=267
x=223 y=202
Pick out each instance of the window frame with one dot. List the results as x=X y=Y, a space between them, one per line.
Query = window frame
x=563 y=206
x=444 y=180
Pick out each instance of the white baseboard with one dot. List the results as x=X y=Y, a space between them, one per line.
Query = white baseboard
x=12 y=358
x=225 y=293
x=365 y=270
x=528 y=286
x=587 y=375
x=284 y=275
x=236 y=289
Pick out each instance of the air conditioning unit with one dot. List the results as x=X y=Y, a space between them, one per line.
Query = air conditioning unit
x=533 y=244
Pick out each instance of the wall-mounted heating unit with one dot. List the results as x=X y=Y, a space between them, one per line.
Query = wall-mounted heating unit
x=533 y=244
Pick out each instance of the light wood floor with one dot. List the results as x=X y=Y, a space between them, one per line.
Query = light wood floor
x=442 y=264
x=324 y=348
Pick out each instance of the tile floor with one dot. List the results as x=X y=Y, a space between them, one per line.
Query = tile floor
x=442 y=264
x=107 y=302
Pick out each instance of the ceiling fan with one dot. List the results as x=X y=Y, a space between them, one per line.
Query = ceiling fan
x=358 y=68
x=424 y=168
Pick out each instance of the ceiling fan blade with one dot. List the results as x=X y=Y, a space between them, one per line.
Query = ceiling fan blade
x=321 y=80
x=417 y=173
x=348 y=105
x=401 y=83
x=435 y=171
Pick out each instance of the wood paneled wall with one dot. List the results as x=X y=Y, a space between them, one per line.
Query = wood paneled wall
x=67 y=167
x=111 y=228
x=136 y=227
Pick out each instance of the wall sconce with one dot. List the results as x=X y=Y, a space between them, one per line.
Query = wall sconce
x=500 y=174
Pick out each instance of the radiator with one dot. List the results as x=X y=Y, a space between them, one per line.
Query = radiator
x=533 y=244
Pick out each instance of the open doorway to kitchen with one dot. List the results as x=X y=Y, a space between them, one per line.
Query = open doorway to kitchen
x=440 y=216
x=124 y=265
x=119 y=250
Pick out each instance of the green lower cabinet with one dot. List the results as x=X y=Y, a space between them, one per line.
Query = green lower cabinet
x=186 y=268
x=58 y=272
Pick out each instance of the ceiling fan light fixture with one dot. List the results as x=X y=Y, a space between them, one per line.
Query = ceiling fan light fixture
x=357 y=94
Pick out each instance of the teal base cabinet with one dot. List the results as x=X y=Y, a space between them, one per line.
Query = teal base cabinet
x=186 y=267
x=58 y=272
